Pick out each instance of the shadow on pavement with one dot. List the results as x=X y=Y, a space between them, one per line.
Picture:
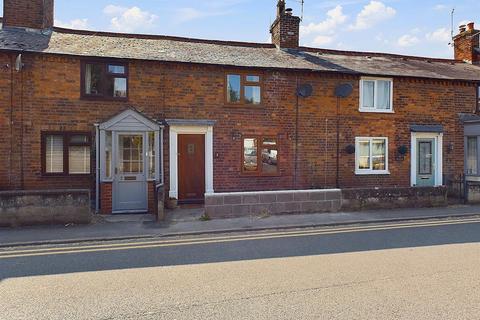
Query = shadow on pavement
x=240 y=250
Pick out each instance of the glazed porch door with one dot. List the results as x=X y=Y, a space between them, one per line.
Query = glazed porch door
x=191 y=168
x=130 y=178
x=426 y=162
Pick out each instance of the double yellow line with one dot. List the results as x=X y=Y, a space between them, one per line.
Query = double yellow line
x=9 y=254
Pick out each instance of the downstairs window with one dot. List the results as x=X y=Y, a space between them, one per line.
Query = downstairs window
x=66 y=153
x=260 y=155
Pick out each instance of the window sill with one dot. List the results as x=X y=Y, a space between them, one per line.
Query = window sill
x=65 y=175
x=375 y=110
x=259 y=175
x=101 y=98
x=372 y=172
x=248 y=106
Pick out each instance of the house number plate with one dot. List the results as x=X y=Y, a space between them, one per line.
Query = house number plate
x=191 y=149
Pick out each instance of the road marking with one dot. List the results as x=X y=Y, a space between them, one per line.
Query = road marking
x=226 y=239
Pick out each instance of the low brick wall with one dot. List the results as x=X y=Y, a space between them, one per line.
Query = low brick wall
x=20 y=208
x=391 y=198
x=237 y=204
x=271 y=202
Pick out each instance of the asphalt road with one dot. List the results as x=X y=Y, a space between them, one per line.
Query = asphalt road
x=422 y=270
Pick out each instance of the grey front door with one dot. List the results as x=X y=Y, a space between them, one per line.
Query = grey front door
x=130 y=183
x=426 y=162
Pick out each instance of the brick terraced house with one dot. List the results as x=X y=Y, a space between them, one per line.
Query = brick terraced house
x=122 y=115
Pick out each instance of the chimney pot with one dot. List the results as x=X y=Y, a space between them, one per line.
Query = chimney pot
x=466 y=44
x=289 y=11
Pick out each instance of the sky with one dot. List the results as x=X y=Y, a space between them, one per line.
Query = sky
x=413 y=27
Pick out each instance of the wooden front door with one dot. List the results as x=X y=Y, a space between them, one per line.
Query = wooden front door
x=191 y=168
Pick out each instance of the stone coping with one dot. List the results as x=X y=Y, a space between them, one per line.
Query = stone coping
x=246 y=193
x=42 y=192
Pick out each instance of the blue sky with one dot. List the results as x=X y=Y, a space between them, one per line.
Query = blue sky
x=400 y=26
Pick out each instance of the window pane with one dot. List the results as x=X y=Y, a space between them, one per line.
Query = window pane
x=425 y=158
x=378 y=154
x=364 y=155
x=252 y=94
x=116 y=69
x=368 y=94
x=93 y=76
x=151 y=155
x=131 y=153
x=383 y=95
x=250 y=162
x=269 y=161
x=253 y=79
x=478 y=96
x=472 y=155
x=79 y=159
x=269 y=141
x=54 y=154
x=79 y=139
x=117 y=87
x=108 y=154
x=233 y=88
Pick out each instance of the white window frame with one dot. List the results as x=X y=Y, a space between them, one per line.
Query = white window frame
x=375 y=109
x=370 y=171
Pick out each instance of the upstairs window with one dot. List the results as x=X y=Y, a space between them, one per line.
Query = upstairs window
x=260 y=155
x=376 y=95
x=66 y=153
x=104 y=80
x=243 y=89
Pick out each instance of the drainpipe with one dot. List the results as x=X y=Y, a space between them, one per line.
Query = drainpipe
x=12 y=64
x=162 y=179
x=295 y=178
x=97 y=167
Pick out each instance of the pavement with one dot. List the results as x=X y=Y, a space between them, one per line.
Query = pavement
x=409 y=270
x=188 y=222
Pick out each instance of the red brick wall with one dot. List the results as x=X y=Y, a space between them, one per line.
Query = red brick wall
x=151 y=197
x=106 y=197
x=37 y=14
x=51 y=101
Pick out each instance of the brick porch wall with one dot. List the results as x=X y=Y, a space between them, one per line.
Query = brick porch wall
x=106 y=198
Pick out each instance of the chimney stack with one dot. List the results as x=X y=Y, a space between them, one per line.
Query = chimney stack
x=285 y=29
x=466 y=44
x=33 y=14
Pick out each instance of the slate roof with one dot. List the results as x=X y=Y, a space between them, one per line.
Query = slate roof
x=469 y=117
x=173 y=49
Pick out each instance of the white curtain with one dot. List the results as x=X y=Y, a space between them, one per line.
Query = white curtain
x=368 y=94
x=364 y=155
x=383 y=94
x=79 y=160
x=88 y=79
x=378 y=155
